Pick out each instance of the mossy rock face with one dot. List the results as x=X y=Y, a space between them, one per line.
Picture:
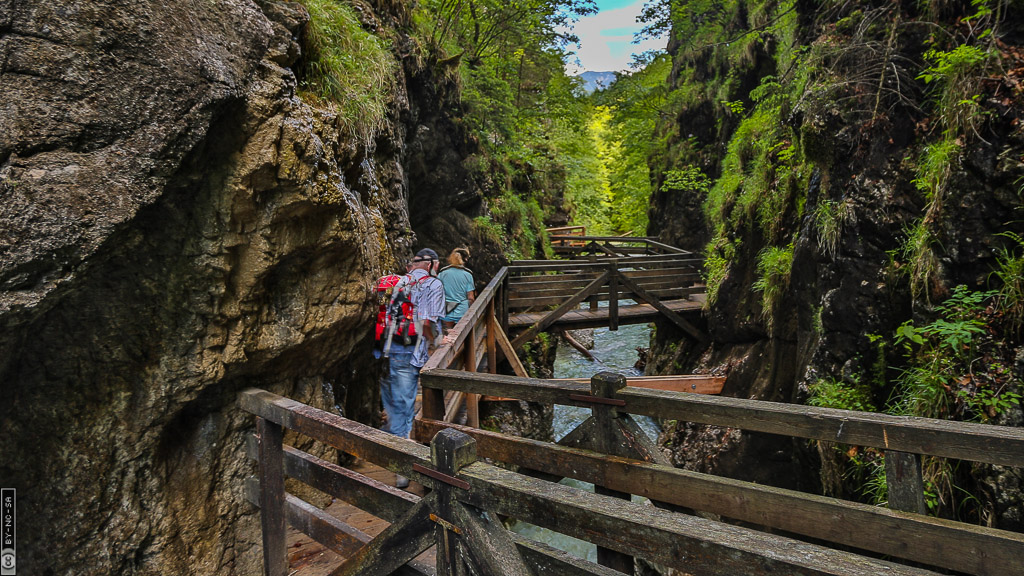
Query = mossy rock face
x=843 y=175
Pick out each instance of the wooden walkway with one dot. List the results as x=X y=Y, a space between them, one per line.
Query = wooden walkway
x=448 y=522
x=307 y=557
x=596 y=318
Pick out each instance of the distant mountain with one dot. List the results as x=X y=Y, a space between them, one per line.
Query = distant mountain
x=593 y=81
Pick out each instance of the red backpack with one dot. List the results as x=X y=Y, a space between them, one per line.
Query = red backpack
x=394 y=309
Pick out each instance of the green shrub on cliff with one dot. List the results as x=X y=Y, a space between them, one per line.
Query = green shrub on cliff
x=347 y=65
x=774 y=265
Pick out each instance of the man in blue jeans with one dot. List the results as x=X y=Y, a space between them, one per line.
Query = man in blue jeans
x=398 y=391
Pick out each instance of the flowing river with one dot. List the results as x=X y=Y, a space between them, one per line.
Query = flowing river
x=613 y=352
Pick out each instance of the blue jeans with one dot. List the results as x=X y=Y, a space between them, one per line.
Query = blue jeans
x=398 y=392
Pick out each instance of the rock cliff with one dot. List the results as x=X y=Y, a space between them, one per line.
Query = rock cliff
x=178 y=225
x=819 y=134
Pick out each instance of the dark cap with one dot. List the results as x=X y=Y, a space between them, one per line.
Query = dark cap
x=425 y=254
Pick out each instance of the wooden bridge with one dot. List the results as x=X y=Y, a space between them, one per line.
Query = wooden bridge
x=695 y=523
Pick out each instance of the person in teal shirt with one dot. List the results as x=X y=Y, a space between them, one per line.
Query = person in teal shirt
x=459 y=290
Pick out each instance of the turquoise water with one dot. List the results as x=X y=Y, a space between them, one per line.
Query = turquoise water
x=613 y=352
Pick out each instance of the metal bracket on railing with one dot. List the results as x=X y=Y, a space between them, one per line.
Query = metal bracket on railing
x=597 y=400
x=450 y=480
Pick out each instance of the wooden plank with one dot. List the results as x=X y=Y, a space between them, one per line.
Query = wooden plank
x=335 y=535
x=519 y=268
x=550 y=318
x=693 y=384
x=661 y=287
x=953 y=545
x=684 y=272
x=391 y=452
x=613 y=312
x=271 y=498
x=492 y=340
x=666 y=248
x=550 y=280
x=375 y=497
x=1000 y=445
x=530 y=389
x=548 y=561
x=398 y=544
x=689 y=543
x=677 y=293
x=452 y=404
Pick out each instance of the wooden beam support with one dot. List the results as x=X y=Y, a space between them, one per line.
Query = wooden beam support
x=672 y=315
x=558 y=312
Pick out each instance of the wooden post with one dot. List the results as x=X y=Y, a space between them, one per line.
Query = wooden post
x=903 y=481
x=605 y=385
x=613 y=294
x=469 y=365
x=272 y=497
x=450 y=450
x=492 y=340
x=504 y=303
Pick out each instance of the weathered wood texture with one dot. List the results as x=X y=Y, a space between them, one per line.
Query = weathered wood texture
x=934 y=541
x=692 y=544
x=687 y=543
x=1000 y=445
x=904 y=483
x=693 y=383
x=272 y=502
x=328 y=531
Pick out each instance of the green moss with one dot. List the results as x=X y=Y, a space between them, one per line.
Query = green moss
x=347 y=65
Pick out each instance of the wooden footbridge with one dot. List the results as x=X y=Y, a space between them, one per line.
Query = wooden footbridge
x=694 y=523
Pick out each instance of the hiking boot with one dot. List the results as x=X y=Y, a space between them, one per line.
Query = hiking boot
x=401 y=481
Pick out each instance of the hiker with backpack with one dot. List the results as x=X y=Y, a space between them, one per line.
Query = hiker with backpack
x=406 y=326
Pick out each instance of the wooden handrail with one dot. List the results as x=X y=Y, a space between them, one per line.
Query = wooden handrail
x=676 y=540
x=1000 y=445
x=945 y=543
x=446 y=353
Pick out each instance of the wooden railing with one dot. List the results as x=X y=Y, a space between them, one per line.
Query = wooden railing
x=460 y=487
x=564 y=237
x=576 y=245
x=900 y=532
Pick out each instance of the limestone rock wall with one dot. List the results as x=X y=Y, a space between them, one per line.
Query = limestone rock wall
x=175 y=225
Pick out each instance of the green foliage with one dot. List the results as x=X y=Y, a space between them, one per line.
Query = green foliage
x=829 y=218
x=934 y=168
x=922 y=264
x=518 y=224
x=954 y=75
x=940 y=380
x=347 y=65
x=1010 y=272
x=773 y=266
x=833 y=393
x=688 y=178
